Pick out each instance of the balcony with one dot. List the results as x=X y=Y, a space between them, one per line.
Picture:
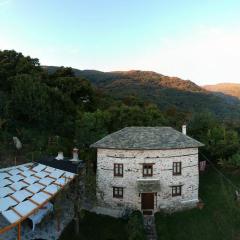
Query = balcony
x=148 y=185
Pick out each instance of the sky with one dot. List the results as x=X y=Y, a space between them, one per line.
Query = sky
x=190 y=39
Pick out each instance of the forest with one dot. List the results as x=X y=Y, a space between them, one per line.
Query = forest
x=164 y=91
x=58 y=110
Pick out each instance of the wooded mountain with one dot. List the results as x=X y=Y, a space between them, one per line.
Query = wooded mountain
x=55 y=109
x=232 y=89
x=167 y=92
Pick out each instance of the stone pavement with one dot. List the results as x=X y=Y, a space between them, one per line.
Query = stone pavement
x=47 y=229
x=150 y=228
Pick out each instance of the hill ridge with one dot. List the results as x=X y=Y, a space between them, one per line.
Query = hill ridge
x=134 y=74
x=232 y=89
x=164 y=91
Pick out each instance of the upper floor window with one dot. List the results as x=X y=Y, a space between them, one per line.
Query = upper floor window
x=117 y=192
x=176 y=191
x=118 y=169
x=147 y=170
x=177 y=168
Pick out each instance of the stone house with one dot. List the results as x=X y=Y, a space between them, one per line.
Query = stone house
x=147 y=168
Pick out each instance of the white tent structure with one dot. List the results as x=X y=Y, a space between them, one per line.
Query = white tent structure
x=24 y=189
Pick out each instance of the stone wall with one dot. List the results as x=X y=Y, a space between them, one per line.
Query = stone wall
x=132 y=161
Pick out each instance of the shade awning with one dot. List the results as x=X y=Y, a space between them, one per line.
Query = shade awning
x=148 y=185
x=25 y=189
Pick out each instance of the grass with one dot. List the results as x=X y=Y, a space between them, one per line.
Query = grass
x=218 y=220
x=97 y=227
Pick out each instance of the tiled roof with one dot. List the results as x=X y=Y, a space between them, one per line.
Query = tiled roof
x=147 y=138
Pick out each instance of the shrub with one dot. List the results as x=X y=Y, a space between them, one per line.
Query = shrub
x=234 y=160
x=135 y=227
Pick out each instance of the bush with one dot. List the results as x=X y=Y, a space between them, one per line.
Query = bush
x=234 y=160
x=135 y=227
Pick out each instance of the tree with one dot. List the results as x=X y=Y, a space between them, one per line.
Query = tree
x=91 y=127
x=79 y=90
x=153 y=116
x=13 y=63
x=126 y=116
x=63 y=72
x=34 y=103
x=29 y=98
x=234 y=160
x=220 y=142
x=200 y=125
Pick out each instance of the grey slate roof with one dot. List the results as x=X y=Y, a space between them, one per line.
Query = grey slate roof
x=147 y=138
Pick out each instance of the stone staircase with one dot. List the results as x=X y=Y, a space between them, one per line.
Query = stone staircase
x=149 y=225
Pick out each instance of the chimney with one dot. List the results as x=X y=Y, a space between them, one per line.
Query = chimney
x=59 y=156
x=75 y=155
x=184 y=129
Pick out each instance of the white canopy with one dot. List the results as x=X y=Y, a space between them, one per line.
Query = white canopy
x=5 y=182
x=4 y=191
x=21 y=195
x=6 y=203
x=23 y=189
x=36 y=187
x=18 y=185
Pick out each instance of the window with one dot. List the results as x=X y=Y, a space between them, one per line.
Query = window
x=147 y=169
x=177 y=168
x=117 y=192
x=176 y=191
x=118 y=170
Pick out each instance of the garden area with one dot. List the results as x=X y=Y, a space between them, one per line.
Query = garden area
x=219 y=219
x=100 y=227
x=97 y=227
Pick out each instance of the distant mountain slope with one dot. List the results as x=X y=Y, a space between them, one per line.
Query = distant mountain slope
x=232 y=89
x=135 y=77
x=141 y=78
x=165 y=91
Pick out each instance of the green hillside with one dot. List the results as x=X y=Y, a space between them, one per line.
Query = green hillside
x=166 y=92
x=52 y=110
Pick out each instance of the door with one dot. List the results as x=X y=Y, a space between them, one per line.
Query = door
x=147 y=201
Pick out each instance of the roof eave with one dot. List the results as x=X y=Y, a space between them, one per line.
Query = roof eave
x=118 y=148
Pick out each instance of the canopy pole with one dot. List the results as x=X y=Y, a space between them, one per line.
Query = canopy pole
x=19 y=231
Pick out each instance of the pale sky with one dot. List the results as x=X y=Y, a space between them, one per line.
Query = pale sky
x=190 y=39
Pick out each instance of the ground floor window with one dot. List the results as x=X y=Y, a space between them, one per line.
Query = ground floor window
x=176 y=191
x=117 y=192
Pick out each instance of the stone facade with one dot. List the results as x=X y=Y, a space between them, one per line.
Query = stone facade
x=133 y=161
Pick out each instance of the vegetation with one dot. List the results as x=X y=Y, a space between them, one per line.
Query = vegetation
x=166 y=92
x=97 y=227
x=100 y=227
x=55 y=109
x=135 y=227
x=51 y=110
x=219 y=219
x=221 y=141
